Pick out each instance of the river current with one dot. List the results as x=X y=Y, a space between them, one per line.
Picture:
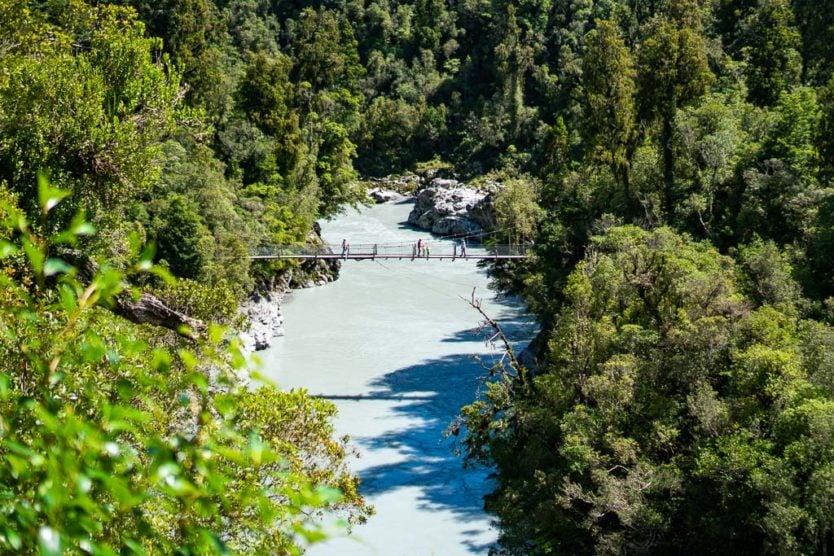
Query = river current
x=393 y=345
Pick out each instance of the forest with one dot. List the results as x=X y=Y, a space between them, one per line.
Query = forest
x=672 y=160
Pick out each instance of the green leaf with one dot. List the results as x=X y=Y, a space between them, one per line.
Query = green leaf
x=188 y=359
x=148 y=253
x=78 y=227
x=7 y=249
x=48 y=196
x=55 y=266
x=162 y=273
x=49 y=541
x=69 y=301
x=13 y=538
x=5 y=386
x=35 y=255
x=216 y=334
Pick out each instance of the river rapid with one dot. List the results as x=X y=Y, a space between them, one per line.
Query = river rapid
x=393 y=345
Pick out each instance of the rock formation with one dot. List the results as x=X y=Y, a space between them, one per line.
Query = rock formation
x=385 y=195
x=449 y=207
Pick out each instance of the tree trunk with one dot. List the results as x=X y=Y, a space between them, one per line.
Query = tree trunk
x=668 y=169
x=147 y=309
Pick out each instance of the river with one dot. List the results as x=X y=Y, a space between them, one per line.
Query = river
x=393 y=345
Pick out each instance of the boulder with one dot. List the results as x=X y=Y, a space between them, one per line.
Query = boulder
x=483 y=213
x=446 y=206
x=385 y=196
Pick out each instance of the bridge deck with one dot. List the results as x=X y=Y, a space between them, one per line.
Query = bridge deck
x=439 y=250
x=388 y=256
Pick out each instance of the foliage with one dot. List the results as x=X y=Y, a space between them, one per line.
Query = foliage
x=672 y=414
x=608 y=86
x=84 y=97
x=516 y=210
x=213 y=128
x=772 y=52
x=118 y=439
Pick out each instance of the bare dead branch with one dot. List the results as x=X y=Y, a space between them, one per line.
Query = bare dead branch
x=498 y=333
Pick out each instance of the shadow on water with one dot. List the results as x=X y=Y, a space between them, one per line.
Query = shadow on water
x=429 y=396
x=432 y=393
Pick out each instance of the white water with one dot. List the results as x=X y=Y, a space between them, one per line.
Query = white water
x=391 y=343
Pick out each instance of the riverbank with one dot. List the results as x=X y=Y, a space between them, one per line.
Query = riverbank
x=262 y=311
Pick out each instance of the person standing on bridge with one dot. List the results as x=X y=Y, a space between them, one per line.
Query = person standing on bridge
x=419 y=248
x=463 y=247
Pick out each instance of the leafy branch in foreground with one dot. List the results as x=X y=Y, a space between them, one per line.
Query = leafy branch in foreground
x=115 y=438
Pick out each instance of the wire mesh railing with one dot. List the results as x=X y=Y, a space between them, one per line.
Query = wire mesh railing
x=414 y=250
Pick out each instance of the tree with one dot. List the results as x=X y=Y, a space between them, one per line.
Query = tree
x=771 y=50
x=268 y=98
x=815 y=20
x=608 y=90
x=86 y=103
x=824 y=139
x=673 y=72
x=514 y=56
x=119 y=438
x=711 y=141
x=517 y=210
x=180 y=234
x=672 y=413
x=327 y=70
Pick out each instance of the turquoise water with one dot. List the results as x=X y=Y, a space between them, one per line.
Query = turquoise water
x=393 y=345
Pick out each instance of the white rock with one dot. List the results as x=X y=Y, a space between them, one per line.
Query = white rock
x=263 y=312
x=385 y=195
x=446 y=207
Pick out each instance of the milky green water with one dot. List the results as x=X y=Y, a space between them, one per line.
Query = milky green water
x=392 y=344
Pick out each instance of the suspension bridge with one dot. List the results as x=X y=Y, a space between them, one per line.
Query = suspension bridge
x=386 y=251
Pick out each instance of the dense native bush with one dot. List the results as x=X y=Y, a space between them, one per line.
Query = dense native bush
x=673 y=414
x=216 y=127
x=116 y=438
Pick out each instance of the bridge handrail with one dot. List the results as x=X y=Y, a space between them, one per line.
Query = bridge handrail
x=404 y=250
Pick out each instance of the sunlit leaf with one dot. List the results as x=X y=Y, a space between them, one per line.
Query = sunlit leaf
x=48 y=196
x=49 y=541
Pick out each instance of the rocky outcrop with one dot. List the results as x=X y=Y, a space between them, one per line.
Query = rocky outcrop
x=449 y=207
x=314 y=273
x=404 y=185
x=263 y=314
x=532 y=355
x=483 y=213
